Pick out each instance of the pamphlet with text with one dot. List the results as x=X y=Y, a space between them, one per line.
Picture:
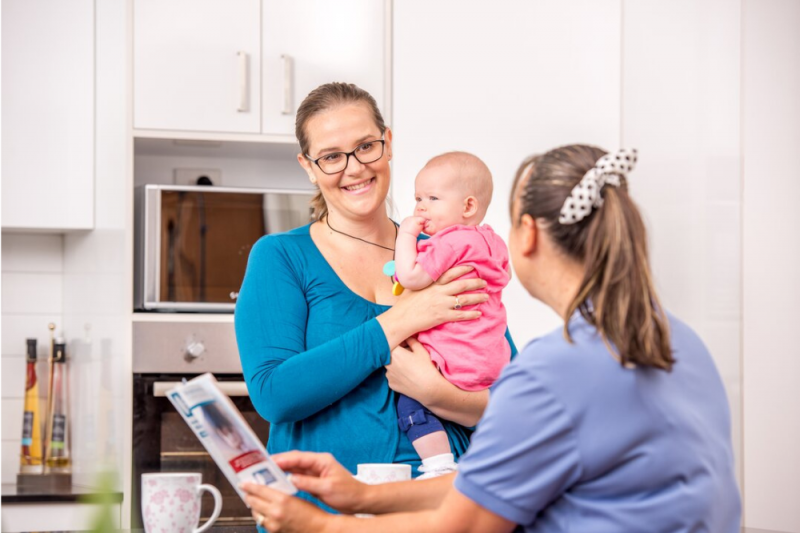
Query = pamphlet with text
x=226 y=435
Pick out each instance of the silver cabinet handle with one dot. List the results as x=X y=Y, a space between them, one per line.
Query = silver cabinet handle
x=244 y=81
x=288 y=84
x=231 y=388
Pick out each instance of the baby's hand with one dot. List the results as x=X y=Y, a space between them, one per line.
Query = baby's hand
x=413 y=226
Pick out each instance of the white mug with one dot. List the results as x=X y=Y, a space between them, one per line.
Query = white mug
x=374 y=473
x=171 y=502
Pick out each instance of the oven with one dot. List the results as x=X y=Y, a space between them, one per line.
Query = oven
x=165 y=353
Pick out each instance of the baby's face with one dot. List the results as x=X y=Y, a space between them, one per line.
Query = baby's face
x=440 y=198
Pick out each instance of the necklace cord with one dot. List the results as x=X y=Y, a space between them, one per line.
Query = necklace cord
x=328 y=222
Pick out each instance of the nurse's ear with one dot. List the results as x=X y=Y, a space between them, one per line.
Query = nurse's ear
x=528 y=236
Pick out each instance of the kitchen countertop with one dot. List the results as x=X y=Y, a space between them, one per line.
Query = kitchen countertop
x=11 y=493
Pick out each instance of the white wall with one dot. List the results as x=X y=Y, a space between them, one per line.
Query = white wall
x=32 y=282
x=681 y=108
x=771 y=245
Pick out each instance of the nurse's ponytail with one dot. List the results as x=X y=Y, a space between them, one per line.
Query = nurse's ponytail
x=580 y=198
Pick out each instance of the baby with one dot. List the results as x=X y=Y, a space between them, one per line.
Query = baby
x=453 y=192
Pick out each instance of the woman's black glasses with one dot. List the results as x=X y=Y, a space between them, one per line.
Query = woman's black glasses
x=335 y=162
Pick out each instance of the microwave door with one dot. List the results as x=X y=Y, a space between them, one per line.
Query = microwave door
x=207 y=237
x=197 y=241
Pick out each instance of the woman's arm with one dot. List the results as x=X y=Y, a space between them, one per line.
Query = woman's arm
x=286 y=382
x=417 y=311
x=411 y=373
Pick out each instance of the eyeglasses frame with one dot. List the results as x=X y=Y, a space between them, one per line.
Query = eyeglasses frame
x=347 y=155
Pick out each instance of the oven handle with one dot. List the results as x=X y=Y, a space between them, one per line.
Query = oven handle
x=231 y=388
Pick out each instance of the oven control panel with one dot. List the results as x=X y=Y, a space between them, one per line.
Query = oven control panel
x=185 y=348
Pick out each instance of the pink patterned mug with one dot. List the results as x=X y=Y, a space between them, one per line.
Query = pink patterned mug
x=171 y=503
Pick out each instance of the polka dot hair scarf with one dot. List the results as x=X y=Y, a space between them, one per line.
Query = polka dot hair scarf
x=585 y=196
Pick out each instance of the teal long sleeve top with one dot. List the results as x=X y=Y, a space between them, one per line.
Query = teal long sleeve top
x=313 y=353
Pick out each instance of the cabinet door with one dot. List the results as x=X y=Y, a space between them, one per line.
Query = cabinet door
x=48 y=115
x=323 y=41
x=197 y=65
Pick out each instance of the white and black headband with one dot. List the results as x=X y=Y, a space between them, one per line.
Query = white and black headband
x=585 y=196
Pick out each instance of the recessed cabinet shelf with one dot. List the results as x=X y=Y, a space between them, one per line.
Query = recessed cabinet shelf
x=233 y=163
x=183 y=317
x=214 y=136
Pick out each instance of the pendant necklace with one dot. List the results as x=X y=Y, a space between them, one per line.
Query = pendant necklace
x=388 y=268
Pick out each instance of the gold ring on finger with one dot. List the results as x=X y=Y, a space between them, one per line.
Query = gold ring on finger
x=458 y=304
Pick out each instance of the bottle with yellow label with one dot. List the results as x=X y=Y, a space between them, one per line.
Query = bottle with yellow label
x=31 y=452
x=57 y=457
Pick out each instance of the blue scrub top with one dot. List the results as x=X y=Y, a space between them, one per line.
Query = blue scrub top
x=571 y=441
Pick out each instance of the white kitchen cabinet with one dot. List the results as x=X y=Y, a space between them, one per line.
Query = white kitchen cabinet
x=219 y=67
x=306 y=44
x=48 y=115
x=197 y=65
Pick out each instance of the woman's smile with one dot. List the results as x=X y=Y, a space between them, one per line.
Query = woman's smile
x=362 y=187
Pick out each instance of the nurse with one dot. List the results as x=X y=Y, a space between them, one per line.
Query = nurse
x=617 y=421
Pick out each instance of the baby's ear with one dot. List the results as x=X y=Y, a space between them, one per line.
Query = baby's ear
x=470 y=207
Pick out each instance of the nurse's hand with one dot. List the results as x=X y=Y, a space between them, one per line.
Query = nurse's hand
x=320 y=475
x=281 y=513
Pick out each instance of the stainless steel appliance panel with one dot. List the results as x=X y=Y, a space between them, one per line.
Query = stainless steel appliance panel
x=187 y=347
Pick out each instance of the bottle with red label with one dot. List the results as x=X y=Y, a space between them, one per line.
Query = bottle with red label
x=31 y=460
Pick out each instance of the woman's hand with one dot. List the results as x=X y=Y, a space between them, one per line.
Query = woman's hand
x=320 y=475
x=417 y=311
x=411 y=371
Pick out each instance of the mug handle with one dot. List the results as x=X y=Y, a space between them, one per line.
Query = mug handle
x=217 y=506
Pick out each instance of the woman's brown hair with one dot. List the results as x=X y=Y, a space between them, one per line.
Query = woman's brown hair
x=321 y=99
x=616 y=294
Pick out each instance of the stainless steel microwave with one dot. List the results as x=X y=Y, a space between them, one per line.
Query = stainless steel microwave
x=192 y=243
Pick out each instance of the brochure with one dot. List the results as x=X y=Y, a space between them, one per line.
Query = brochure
x=226 y=435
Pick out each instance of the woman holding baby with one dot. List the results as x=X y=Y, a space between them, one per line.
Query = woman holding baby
x=618 y=421
x=322 y=333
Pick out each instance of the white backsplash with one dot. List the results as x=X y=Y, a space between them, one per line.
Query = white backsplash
x=32 y=292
